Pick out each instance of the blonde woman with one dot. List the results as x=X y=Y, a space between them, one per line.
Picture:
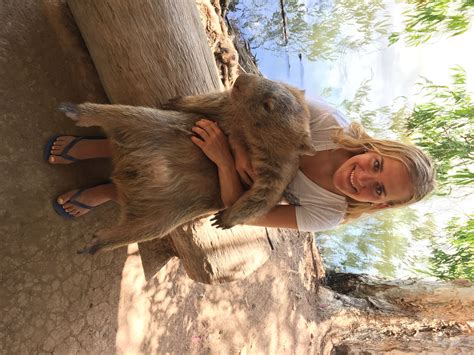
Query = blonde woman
x=350 y=174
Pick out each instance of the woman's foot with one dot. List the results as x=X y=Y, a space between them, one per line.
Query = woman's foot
x=76 y=204
x=77 y=148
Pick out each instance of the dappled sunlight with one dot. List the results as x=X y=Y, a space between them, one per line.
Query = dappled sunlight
x=269 y=312
x=133 y=316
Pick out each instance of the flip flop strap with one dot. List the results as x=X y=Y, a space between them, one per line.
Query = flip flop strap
x=68 y=147
x=73 y=201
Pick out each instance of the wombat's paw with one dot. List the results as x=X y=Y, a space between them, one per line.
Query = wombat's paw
x=221 y=220
x=91 y=248
x=70 y=110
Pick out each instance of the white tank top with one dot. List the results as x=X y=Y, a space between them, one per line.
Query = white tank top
x=318 y=209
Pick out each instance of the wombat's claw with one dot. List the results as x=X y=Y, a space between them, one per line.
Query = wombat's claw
x=217 y=221
x=69 y=109
x=92 y=247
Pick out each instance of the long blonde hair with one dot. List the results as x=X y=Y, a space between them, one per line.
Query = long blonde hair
x=419 y=165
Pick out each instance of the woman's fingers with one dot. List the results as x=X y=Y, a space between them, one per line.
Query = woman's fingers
x=209 y=126
x=244 y=176
x=199 y=142
x=201 y=132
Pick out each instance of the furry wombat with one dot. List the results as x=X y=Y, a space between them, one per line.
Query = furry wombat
x=164 y=180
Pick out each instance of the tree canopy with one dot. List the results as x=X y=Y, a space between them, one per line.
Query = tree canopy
x=427 y=19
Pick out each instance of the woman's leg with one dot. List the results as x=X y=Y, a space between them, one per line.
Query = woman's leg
x=83 y=149
x=92 y=197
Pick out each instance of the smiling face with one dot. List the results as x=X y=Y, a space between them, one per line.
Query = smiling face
x=371 y=177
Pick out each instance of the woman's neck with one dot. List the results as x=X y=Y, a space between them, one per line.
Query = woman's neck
x=320 y=168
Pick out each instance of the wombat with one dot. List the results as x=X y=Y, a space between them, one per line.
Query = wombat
x=164 y=180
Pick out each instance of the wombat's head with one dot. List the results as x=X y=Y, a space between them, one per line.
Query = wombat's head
x=272 y=103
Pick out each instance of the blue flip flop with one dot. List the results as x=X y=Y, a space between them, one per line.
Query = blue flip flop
x=62 y=212
x=64 y=154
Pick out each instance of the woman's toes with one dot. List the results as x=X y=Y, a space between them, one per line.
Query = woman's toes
x=57 y=148
x=63 y=139
x=68 y=208
x=56 y=159
x=64 y=198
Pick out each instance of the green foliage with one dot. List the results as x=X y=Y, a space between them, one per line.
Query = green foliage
x=375 y=245
x=426 y=18
x=358 y=110
x=383 y=122
x=444 y=127
x=317 y=30
x=453 y=258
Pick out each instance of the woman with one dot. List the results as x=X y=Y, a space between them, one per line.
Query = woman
x=350 y=174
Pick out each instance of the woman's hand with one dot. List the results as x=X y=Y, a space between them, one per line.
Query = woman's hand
x=213 y=142
x=243 y=165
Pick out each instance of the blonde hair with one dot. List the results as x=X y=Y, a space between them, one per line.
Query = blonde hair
x=419 y=165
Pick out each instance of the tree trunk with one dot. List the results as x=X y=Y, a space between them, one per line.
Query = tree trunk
x=147 y=52
x=368 y=315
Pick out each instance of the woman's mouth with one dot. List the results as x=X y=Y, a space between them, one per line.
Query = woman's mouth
x=351 y=180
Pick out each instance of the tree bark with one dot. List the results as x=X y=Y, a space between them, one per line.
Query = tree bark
x=147 y=52
x=369 y=315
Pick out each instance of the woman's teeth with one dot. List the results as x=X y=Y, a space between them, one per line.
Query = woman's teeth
x=351 y=179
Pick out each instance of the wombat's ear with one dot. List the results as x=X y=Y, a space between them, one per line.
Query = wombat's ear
x=269 y=104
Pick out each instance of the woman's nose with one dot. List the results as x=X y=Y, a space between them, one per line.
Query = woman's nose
x=365 y=178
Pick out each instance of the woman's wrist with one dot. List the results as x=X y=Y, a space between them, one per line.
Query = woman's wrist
x=226 y=165
x=231 y=188
x=226 y=162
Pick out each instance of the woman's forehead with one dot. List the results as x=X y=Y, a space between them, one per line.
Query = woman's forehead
x=396 y=180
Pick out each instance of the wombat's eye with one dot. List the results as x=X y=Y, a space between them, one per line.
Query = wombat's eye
x=268 y=105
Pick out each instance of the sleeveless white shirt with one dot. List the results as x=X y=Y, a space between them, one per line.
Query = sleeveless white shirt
x=318 y=209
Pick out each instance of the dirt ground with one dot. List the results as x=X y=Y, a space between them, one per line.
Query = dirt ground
x=55 y=301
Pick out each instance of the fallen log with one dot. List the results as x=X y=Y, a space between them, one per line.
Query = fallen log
x=145 y=53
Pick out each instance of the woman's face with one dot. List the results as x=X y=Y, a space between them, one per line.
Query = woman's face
x=371 y=177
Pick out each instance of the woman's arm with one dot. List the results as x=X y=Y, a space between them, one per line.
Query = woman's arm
x=214 y=144
x=280 y=216
x=243 y=165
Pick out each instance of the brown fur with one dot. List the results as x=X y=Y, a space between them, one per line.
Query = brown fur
x=164 y=180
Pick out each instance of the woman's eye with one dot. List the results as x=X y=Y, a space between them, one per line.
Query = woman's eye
x=377 y=165
x=378 y=190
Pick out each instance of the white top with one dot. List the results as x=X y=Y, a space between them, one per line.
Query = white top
x=318 y=209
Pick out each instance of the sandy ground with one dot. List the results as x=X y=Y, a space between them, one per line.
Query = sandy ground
x=54 y=301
